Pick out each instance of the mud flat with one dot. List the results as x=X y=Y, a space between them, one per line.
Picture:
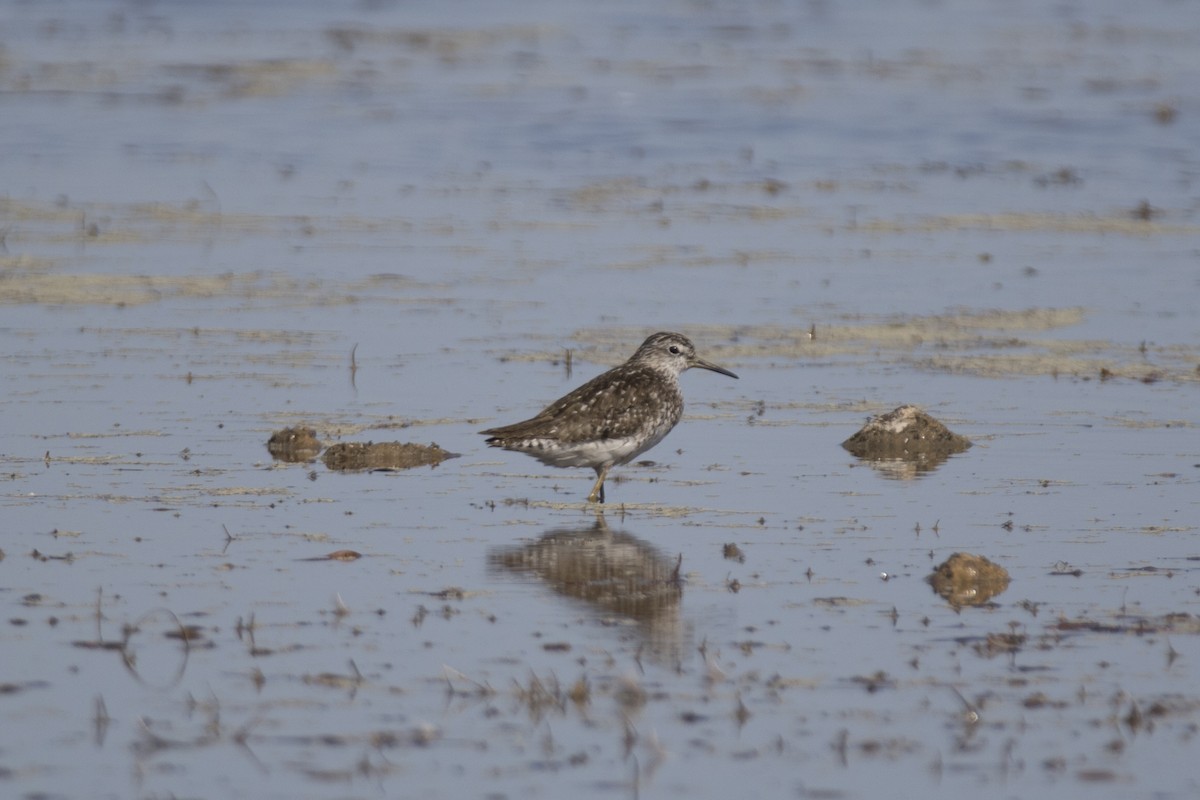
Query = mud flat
x=373 y=228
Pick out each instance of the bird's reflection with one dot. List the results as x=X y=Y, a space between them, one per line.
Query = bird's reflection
x=613 y=571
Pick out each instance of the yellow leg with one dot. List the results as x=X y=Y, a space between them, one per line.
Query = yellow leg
x=597 y=495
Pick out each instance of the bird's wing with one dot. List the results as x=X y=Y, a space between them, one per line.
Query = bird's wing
x=614 y=405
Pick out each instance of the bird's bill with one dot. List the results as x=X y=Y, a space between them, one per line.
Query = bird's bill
x=700 y=362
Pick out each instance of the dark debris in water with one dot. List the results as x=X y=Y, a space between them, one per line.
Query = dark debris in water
x=1178 y=622
x=24 y=686
x=336 y=555
x=1001 y=644
x=188 y=633
x=873 y=683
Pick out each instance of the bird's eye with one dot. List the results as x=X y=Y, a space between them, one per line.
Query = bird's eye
x=674 y=349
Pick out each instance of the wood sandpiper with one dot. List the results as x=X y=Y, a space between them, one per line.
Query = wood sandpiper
x=614 y=417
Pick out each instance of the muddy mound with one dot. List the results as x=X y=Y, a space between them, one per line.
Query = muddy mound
x=965 y=579
x=383 y=455
x=906 y=433
x=294 y=444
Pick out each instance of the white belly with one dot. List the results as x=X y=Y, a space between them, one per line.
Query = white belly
x=599 y=453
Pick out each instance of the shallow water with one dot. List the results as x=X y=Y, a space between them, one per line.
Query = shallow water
x=986 y=210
